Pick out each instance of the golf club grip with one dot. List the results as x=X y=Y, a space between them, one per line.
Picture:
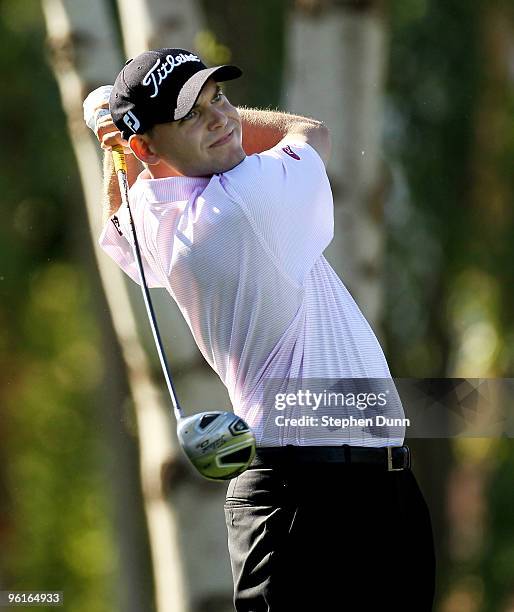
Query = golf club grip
x=120 y=168
x=118 y=158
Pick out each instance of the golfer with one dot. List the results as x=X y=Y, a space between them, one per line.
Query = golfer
x=233 y=210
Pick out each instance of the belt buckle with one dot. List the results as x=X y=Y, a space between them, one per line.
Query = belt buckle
x=390 y=467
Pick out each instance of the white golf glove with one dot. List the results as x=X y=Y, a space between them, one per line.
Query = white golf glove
x=93 y=114
x=94 y=100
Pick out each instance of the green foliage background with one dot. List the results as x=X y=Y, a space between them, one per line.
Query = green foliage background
x=55 y=513
x=450 y=142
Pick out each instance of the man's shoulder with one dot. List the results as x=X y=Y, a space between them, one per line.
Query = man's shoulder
x=287 y=150
x=167 y=191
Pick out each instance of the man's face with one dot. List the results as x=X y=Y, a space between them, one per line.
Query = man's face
x=191 y=145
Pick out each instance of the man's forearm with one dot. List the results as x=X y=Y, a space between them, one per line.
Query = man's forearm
x=112 y=197
x=263 y=129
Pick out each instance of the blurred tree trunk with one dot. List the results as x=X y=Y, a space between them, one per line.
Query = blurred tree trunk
x=84 y=55
x=154 y=24
x=335 y=72
x=197 y=503
x=184 y=513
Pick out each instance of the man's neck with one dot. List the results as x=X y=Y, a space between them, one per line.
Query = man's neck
x=160 y=170
x=153 y=172
x=163 y=170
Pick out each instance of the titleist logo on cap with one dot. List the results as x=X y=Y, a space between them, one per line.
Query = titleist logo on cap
x=156 y=75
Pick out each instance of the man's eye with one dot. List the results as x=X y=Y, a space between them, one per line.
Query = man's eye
x=218 y=96
x=189 y=115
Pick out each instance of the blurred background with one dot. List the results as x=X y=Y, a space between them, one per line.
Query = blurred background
x=419 y=95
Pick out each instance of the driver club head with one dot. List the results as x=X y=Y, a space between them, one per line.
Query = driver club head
x=219 y=444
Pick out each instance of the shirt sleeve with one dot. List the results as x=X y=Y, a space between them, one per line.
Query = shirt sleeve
x=116 y=240
x=286 y=195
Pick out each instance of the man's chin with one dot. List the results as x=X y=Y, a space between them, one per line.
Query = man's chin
x=230 y=163
x=217 y=166
x=236 y=163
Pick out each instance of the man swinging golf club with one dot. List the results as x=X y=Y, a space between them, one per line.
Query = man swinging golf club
x=233 y=212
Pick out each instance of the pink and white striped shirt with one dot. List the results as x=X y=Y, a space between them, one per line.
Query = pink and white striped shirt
x=241 y=253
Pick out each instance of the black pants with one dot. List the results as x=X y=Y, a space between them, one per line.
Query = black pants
x=328 y=538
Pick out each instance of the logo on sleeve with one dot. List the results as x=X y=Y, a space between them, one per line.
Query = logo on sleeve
x=116 y=223
x=290 y=152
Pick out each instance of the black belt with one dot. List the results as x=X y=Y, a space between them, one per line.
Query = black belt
x=392 y=458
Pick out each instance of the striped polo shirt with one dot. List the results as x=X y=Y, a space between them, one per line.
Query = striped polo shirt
x=241 y=253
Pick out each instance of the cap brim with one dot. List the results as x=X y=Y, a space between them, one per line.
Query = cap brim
x=193 y=86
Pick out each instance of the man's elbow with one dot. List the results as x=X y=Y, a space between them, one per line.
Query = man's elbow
x=326 y=145
x=316 y=134
x=321 y=140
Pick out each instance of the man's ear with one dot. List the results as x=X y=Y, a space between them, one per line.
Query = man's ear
x=143 y=149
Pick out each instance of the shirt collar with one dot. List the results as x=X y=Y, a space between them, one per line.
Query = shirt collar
x=173 y=188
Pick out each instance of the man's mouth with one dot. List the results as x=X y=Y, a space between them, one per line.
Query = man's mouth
x=223 y=140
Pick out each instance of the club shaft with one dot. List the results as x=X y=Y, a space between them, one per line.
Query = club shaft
x=121 y=172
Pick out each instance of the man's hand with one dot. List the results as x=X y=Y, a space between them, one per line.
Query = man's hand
x=108 y=134
x=98 y=119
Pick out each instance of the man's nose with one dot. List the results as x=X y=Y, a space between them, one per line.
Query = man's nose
x=217 y=118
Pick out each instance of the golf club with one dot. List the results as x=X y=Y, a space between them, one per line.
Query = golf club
x=219 y=444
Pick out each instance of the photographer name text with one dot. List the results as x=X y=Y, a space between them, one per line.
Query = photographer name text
x=331 y=421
